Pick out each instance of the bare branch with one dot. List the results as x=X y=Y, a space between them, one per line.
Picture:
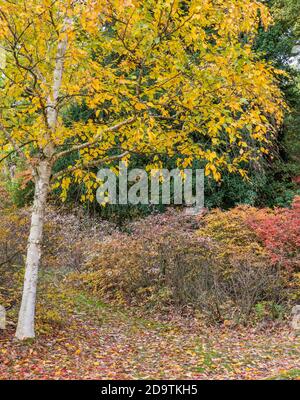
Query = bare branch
x=98 y=137
x=12 y=141
x=13 y=151
x=91 y=164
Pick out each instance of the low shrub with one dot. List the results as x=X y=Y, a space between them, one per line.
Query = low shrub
x=257 y=275
x=13 y=231
x=240 y=265
x=231 y=231
x=279 y=232
x=135 y=267
x=63 y=249
x=216 y=264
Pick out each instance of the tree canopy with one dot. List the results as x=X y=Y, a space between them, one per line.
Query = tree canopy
x=165 y=77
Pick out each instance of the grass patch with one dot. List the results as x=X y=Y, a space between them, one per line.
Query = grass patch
x=292 y=374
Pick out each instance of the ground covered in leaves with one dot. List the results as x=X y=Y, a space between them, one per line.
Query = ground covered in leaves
x=98 y=341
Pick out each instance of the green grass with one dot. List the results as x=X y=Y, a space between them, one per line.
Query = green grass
x=107 y=312
x=292 y=374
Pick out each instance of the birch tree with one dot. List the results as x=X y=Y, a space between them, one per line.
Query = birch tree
x=160 y=77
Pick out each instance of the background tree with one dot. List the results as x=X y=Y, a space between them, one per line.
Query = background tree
x=161 y=78
x=276 y=44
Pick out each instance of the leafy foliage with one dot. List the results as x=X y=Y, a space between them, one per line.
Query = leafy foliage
x=222 y=269
x=280 y=232
x=160 y=74
x=276 y=45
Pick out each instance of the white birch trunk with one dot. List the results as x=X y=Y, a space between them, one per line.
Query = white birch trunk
x=25 y=328
x=2 y=317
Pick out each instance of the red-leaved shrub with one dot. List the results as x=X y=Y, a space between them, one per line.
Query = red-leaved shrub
x=279 y=232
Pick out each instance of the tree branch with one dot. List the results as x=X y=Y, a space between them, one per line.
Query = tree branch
x=13 y=151
x=98 y=137
x=91 y=164
x=12 y=141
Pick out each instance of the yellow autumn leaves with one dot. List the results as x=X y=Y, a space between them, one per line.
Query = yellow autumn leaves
x=183 y=73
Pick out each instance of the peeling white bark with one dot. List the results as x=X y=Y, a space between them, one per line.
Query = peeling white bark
x=2 y=317
x=25 y=328
x=52 y=111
